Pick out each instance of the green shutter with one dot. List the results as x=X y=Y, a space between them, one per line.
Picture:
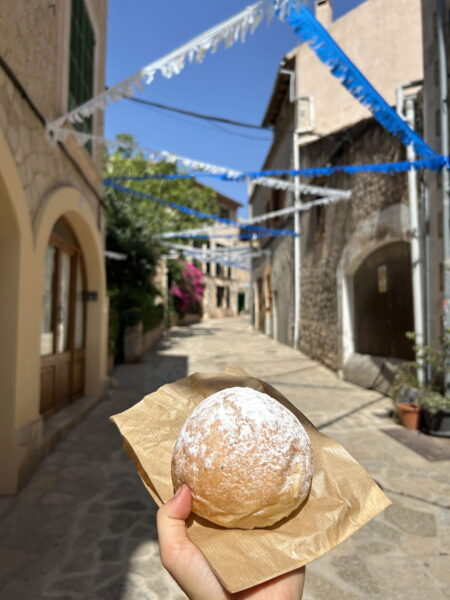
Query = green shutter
x=81 y=67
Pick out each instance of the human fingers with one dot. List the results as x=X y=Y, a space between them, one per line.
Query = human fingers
x=171 y=524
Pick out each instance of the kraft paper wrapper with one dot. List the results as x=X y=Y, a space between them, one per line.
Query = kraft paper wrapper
x=343 y=496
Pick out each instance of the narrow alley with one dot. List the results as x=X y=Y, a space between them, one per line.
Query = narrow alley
x=84 y=526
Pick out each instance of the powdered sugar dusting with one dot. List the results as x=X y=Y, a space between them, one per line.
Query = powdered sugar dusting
x=240 y=429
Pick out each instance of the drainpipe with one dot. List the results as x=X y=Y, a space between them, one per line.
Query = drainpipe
x=251 y=295
x=416 y=259
x=297 y=224
x=297 y=239
x=443 y=85
x=426 y=270
x=406 y=109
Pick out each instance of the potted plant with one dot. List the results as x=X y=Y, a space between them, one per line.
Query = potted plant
x=414 y=399
x=409 y=414
x=436 y=413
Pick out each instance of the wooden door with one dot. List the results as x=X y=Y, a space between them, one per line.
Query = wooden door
x=63 y=324
x=383 y=303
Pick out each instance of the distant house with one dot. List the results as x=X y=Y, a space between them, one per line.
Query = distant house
x=53 y=305
x=226 y=286
x=356 y=300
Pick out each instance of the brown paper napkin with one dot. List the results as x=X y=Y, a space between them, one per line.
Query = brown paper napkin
x=343 y=496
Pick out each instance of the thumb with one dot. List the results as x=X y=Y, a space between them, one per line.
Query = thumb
x=171 y=522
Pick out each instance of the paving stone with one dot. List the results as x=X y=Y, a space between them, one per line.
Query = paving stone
x=82 y=563
x=383 y=530
x=412 y=522
x=58 y=498
x=73 y=583
x=143 y=532
x=317 y=587
x=129 y=505
x=112 y=590
x=87 y=524
x=353 y=569
x=375 y=547
x=110 y=549
x=120 y=523
x=109 y=571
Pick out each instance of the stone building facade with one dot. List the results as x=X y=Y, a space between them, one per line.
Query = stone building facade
x=53 y=306
x=355 y=274
x=432 y=134
x=226 y=286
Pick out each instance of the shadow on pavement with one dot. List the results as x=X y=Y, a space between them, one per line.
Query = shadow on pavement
x=84 y=526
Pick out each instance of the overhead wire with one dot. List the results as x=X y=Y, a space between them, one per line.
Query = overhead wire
x=214 y=121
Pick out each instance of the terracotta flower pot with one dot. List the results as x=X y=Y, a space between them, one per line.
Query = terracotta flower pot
x=409 y=414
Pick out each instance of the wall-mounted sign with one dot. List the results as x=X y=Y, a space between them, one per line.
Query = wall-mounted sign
x=382 y=279
x=90 y=296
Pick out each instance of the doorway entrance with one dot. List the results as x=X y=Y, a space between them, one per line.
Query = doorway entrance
x=63 y=321
x=383 y=303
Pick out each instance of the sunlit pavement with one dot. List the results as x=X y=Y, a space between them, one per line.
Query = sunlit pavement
x=83 y=528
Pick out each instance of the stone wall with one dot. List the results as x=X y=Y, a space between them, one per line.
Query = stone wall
x=279 y=265
x=432 y=133
x=34 y=45
x=325 y=232
x=42 y=167
x=39 y=183
x=34 y=42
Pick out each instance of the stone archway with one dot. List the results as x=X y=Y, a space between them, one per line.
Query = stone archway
x=68 y=203
x=381 y=230
x=15 y=253
x=383 y=303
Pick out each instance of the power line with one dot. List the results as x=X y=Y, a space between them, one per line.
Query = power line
x=214 y=126
x=198 y=115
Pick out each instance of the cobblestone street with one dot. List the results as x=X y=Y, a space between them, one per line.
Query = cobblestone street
x=84 y=527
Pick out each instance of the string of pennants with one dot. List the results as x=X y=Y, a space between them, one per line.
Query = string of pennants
x=327 y=50
x=434 y=164
x=254 y=229
x=305 y=26
x=227 y=33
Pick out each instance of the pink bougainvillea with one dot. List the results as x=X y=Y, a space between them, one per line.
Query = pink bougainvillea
x=188 y=291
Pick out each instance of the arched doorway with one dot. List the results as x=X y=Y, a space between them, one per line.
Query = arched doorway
x=62 y=343
x=383 y=303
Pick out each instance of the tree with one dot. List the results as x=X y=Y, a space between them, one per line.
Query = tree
x=150 y=216
x=132 y=223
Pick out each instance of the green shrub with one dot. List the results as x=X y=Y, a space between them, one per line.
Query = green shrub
x=152 y=316
x=434 y=401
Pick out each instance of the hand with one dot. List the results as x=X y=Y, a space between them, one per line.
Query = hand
x=189 y=568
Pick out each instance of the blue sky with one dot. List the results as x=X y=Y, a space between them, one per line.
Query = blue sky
x=234 y=83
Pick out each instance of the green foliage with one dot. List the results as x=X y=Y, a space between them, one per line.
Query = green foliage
x=434 y=401
x=131 y=225
x=113 y=333
x=431 y=359
x=153 y=316
x=149 y=216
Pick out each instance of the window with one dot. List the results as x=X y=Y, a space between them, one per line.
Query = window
x=277 y=202
x=224 y=213
x=319 y=212
x=81 y=68
x=220 y=292
x=220 y=270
